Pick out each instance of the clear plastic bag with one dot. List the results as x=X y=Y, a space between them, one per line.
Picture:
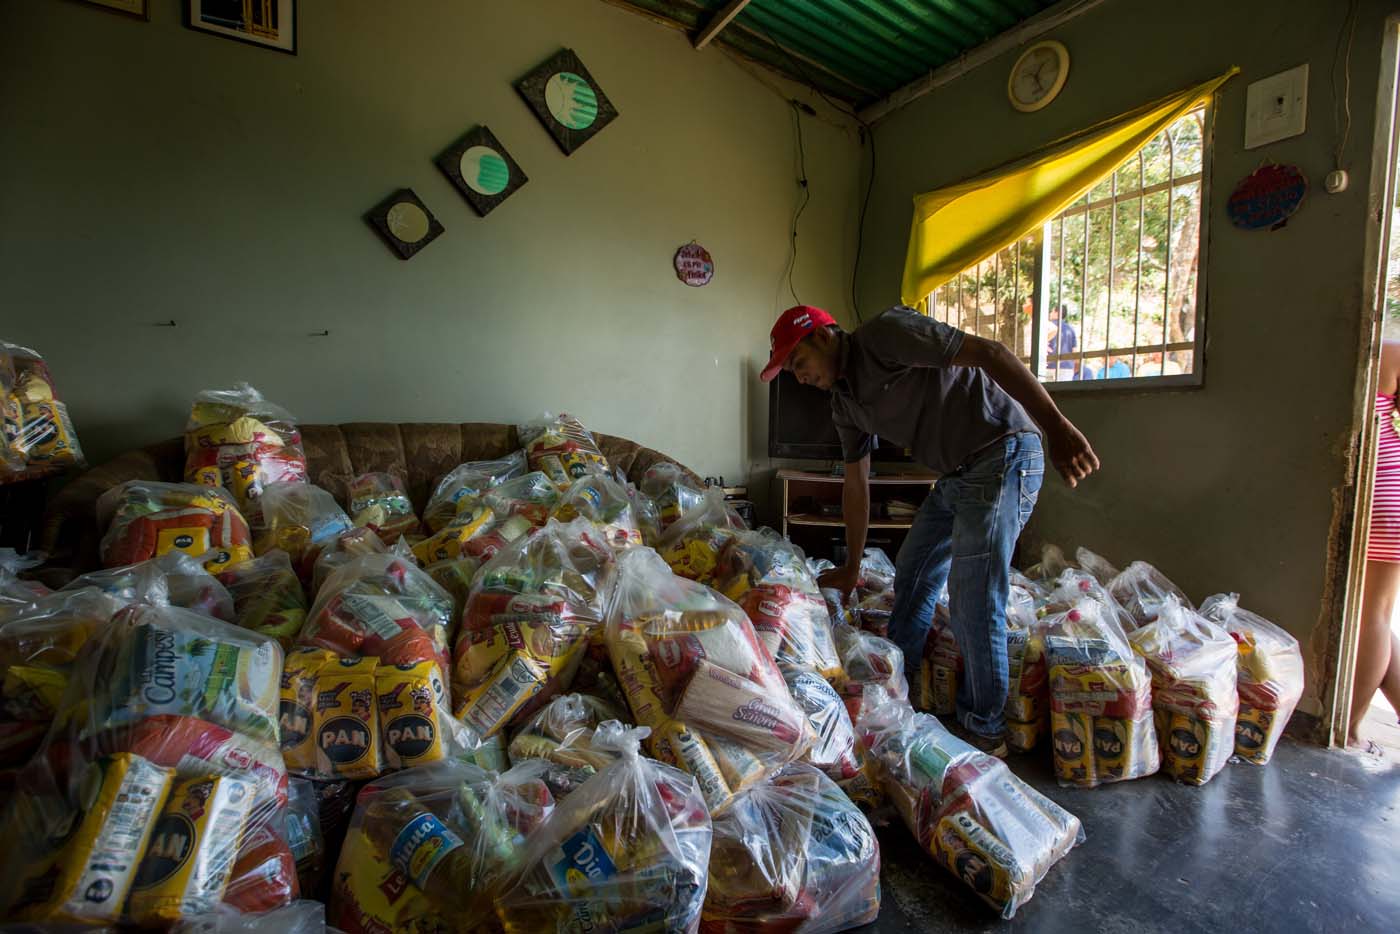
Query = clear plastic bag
x=15 y=592
x=869 y=661
x=159 y=793
x=1052 y=564
x=1074 y=586
x=940 y=668
x=1096 y=565
x=1101 y=725
x=240 y=441
x=34 y=425
x=469 y=481
x=693 y=543
x=430 y=849
x=1194 y=702
x=627 y=851
x=833 y=748
x=667 y=486
x=695 y=672
x=475 y=532
x=300 y=917
x=173 y=579
x=602 y=500
x=1269 y=676
x=792 y=854
x=379 y=500
x=1141 y=590
x=455 y=575
x=561 y=733
x=978 y=820
x=877 y=573
x=148 y=518
x=298 y=518
x=532 y=497
x=267 y=596
x=383 y=606
x=644 y=509
x=350 y=546
x=561 y=448
x=1027 y=709
x=529 y=619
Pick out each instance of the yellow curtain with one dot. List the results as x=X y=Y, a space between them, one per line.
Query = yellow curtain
x=962 y=224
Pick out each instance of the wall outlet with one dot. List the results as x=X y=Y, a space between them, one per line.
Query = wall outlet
x=1276 y=107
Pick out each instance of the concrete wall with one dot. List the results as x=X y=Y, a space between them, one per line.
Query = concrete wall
x=1229 y=487
x=155 y=173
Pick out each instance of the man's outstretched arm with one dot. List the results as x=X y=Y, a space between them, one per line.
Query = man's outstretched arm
x=855 y=511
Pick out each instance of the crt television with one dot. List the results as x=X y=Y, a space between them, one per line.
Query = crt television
x=799 y=424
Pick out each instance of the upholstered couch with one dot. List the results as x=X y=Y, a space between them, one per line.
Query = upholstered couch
x=420 y=452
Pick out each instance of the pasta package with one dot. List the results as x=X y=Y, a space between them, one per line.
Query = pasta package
x=147 y=518
x=561 y=448
x=237 y=439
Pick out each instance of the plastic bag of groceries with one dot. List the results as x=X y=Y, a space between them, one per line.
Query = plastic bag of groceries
x=792 y=854
x=1269 y=676
x=148 y=518
x=476 y=532
x=601 y=499
x=1096 y=565
x=379 y=500
x=267 y=596
x=298 y=518
x=1074 y=586
x=35 y=429
x=693 y=543
x=644 y=509
x=240 y=441
x=1052 y=564
x=159 y=793
x=531 y=496
x=1027 y=709
x=1194 y=703
x=561 y=734
x=941 y=667
x=529 y=619
x=39 y=643
x=1142 y=590
x=15 y=592
x=981 y=823
x=318 y=816
x=300 y=917
x=767 y=576
x=560 y=447
x=469 y=481
x=667 y=485
x=429 y=849
x=868 y=660
x=173 y=579
x=627 y=851
x=696 y=673
x=350 y=546
x=876 y=575
x=384 y=606
x=455 y=575
x=1101 y=726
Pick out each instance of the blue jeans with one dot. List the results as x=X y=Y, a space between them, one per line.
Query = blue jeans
x=963 y=536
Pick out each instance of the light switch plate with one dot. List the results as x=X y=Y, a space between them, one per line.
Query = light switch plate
x=1276 y=107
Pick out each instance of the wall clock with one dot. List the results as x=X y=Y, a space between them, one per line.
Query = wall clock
x=1038 y=76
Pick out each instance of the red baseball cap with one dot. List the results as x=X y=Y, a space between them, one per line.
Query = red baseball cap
x=793 y=325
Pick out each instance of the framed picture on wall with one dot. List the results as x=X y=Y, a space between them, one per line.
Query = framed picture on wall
x=566 y=99
x=141 y=9
x=271 y=24
x=481 y=168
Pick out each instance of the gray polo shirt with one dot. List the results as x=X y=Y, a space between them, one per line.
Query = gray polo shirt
x=898 y=382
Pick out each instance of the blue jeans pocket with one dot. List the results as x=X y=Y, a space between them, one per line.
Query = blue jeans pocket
x=1032 y=476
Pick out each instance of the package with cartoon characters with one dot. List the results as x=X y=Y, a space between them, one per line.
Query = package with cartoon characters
x=531 y=615
x=430 y=849
x=238 y=440
x=159 y=794
x=693 y=543
x=694 y=670
x=792 y=854
x=173 y=579
x=628 y=851
x=1269 y=676
x=994 y=832
x=561 y=448
x=1194 y=702
x=35 y=430
x=466 y=482
x=145 y=519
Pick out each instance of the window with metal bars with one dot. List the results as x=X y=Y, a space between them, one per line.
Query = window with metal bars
x=1109 y=289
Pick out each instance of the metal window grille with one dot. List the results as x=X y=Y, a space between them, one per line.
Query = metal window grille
x=1122 y=267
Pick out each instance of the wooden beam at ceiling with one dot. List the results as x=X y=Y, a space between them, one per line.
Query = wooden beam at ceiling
x=721 y=19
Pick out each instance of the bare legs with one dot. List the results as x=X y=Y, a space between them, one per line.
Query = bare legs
x=1376 y=661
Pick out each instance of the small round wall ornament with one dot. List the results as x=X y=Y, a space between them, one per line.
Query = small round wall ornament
x=694 y=266
x=1266 y=198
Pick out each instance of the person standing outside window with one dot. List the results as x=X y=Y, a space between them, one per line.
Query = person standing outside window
x=1062 y=339
x=969 y=410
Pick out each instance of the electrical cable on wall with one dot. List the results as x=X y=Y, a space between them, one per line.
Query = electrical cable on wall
x=1341 y=116
x=806 y=195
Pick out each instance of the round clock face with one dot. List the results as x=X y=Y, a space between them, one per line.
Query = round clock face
x=1038 y=76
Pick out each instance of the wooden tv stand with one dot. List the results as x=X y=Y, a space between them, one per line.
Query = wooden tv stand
x=816 y=531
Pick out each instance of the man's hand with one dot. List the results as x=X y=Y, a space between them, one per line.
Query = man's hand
x=1070 y=452
x=842 y=580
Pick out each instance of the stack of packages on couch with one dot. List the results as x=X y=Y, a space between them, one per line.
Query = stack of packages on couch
x=35 y=430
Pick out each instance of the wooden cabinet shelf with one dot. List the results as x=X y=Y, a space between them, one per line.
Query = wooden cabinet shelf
x=819 y=533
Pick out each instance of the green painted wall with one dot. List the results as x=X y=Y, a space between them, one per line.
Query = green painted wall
x=1229 y=487
x=155 y=173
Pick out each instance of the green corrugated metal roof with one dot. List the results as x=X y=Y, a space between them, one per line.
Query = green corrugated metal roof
x=859 y=50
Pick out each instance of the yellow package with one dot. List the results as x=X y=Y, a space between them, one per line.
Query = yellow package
x=1072 y=739
x=411 y=699
x=448 y=543
x=347 y=728
x=46 y=435
x=370 y=894
x=217 y=431
x=740 y=767
x=983 y=863
x=194 y=844
x=1022 y=736
x=1188 y=743
x=676 y=744
x=490 y=705
x=1113 y=746
x=296 y=702
x=637 y=677
x=1255 y=733
x=90 y=877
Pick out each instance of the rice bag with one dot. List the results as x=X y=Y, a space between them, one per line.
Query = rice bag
x=561 y=448
x=299 y=519
x=694 y=671
x=691 y=546
x=528 y=621
x=1101 y=724
x=469 y=481
x=240 y=441
x=673 y=493
x=628 y=851
x=267 y=596
x=792 y=854
x=35 y=429
x=173 y=579
x=1142 y=590
x=978 y=820
x=603 y=501
x=379 y=500
x=1269 y=676
x=147 y=518
x=1194 y=703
